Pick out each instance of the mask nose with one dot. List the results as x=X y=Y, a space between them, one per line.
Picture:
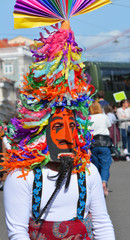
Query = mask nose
x=68 y=135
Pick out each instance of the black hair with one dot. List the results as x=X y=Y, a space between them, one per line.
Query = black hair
x=107 y=109
x=100 y=94
x=122 y=102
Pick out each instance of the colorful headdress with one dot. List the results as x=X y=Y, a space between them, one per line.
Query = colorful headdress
x=56 y=79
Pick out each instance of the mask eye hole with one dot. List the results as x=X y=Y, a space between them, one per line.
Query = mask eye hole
x=72 y=125
x=57 y=125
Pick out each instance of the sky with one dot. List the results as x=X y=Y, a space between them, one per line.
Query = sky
x=103 y=33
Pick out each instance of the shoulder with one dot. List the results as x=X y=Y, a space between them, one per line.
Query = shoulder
x=119 y=109
x=128 y=110
x=92 y=171
x=93 y=178
x=104 y=116
x=91 y=167
x=15 y=181
x=95 y=116
x=103 y=102
x=110 y=114
x=107 y=103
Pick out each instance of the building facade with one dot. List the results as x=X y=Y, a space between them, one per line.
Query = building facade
x=8 y=99
x=15 y=61
x=15 y=58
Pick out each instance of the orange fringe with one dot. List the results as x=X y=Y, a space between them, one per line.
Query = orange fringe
x=50 y=92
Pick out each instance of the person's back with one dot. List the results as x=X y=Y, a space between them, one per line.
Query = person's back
x=123 y=114
x=112 y=117
x=101 y=99
x=101 y=124
x=103 y=102
x=1 y=151
x=101 y=155
x=114 y=130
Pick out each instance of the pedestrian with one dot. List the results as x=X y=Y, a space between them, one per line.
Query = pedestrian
x=123 y=114
x=2 y=150
x=114 y=108
x=7 y=145
x=114 y=130
x=101 y=154
x=101 y=99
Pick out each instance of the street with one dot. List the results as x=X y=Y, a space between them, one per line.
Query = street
x=118 y=201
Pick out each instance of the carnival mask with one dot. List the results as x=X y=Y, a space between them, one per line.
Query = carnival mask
x=60 y=133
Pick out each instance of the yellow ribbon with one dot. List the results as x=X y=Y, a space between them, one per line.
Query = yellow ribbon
x=35 y=124
x=97 y=4
x=54 y=66
x=30 y=21
x=45 y=123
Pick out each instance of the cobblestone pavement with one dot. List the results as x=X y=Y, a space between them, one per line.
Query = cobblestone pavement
x=118 y=201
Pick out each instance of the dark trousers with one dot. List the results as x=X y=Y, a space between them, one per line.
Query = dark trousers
x=125 y=139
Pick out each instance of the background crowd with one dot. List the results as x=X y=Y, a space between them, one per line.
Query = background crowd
x=111 y=131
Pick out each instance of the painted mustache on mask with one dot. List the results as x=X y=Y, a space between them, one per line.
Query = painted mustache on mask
x=64 y=141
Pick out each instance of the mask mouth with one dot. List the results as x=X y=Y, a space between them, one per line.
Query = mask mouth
x=64 y=142
x=71 y=155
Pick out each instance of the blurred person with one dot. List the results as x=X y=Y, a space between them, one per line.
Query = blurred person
x=129 y=102
x=123 y=113
x=114 y=108
x=7 y=145
x=114 y=130
x=101 y=154
x=110 y=113
x=101 y=99
x=2 y=149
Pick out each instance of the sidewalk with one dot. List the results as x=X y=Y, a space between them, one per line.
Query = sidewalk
x=118 y=200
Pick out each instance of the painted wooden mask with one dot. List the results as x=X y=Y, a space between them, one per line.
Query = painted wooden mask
x=60 y=133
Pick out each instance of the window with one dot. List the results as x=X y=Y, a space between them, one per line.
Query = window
x=8 y=68
x=115 y=79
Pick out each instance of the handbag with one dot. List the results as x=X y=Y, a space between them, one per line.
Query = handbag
x=105 y=141
x=101 y=141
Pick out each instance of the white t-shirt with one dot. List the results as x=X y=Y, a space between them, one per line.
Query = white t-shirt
x=112 y=117
x=18 y=203
x=101 y=124
x=123 y=114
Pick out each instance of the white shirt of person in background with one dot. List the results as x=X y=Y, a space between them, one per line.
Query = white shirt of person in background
x=123 y=113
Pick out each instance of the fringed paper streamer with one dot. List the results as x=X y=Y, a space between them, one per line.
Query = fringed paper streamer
x=60 y=53
x=56 y=79
x=70 y=79
x=36 y=13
